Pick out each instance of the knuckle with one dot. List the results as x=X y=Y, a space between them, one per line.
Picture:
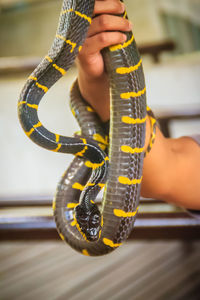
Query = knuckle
x=103 y=37
x=103 y=22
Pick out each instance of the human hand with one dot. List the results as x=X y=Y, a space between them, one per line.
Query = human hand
x=105 y=30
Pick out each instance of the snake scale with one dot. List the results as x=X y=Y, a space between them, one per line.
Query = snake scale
x=114 y=163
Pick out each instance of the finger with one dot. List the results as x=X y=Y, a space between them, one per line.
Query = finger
x=109 y=7
x=108 y=23
x=99 y=41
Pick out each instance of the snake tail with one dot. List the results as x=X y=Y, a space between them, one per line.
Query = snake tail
x=75 y=19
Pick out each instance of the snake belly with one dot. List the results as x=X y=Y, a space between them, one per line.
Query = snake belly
x=89 y=171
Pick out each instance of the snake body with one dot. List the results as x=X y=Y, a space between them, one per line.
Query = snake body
x=79 y=221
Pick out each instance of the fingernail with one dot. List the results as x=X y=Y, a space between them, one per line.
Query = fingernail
x=124 y=37
x=123 y=7
x=130 y=25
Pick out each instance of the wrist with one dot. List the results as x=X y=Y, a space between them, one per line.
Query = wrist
x=96 y=92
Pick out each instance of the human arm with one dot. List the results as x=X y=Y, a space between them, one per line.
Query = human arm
x=170 y=171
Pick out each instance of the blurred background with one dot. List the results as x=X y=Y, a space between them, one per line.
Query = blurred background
x=168 y=36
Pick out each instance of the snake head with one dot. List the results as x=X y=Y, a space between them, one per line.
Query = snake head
x=89 y=222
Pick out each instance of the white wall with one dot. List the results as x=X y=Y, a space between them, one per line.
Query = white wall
x=25 y=167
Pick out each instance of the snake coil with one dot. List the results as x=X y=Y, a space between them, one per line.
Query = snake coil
x=79 y=221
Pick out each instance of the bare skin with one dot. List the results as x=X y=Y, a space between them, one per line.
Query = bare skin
x=171 y=169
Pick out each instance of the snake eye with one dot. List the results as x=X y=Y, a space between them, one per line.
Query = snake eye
x=95 y=219
x=82 y=218
x=83 y=221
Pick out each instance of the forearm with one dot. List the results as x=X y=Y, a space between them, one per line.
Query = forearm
x=171 y=169
x=171 y=173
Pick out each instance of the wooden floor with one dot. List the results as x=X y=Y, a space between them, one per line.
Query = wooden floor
x=137 y=270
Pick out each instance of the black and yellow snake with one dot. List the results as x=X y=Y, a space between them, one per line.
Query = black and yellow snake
x=115 y=164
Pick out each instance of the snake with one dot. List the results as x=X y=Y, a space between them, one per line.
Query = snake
x=107 y=156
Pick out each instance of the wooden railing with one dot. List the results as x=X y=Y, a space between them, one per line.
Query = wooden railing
x=32 y=219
